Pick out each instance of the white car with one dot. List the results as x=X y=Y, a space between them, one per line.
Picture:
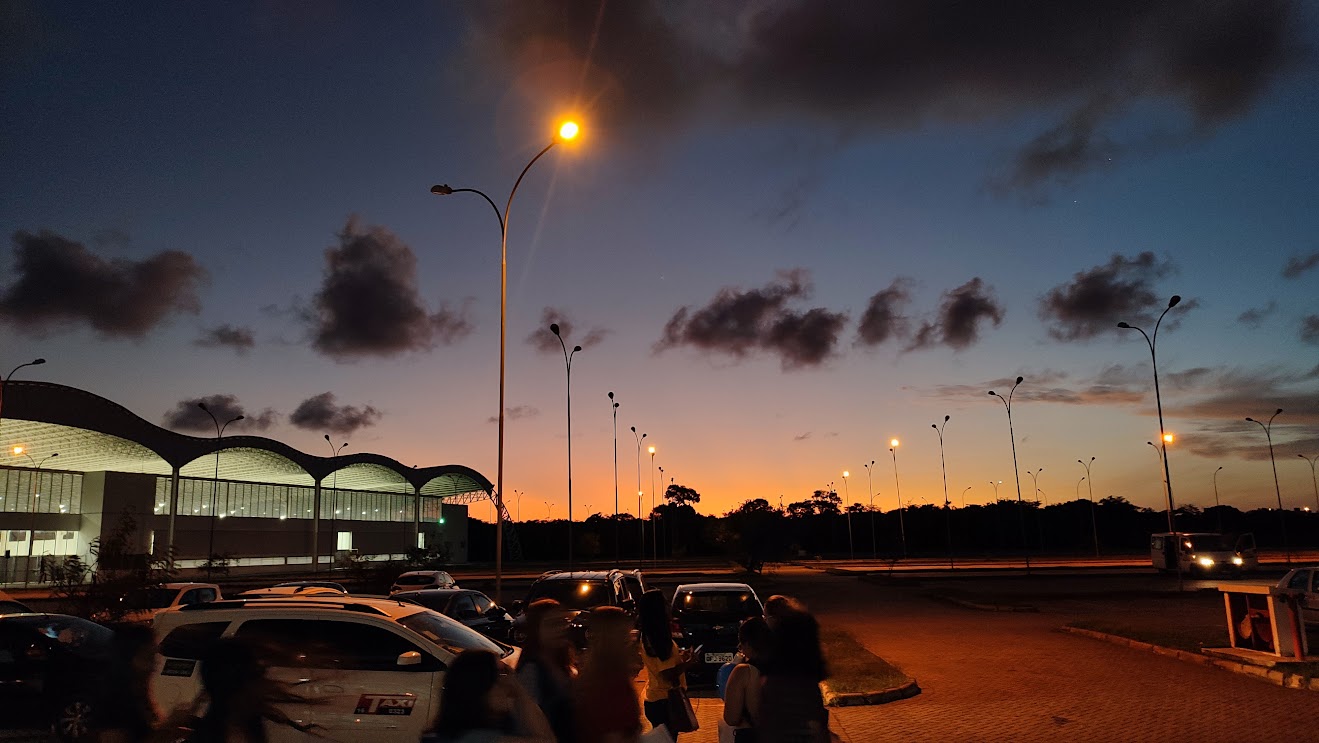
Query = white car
x=421 y=580
x=371 y=669
x=1304 y=581
x=146 y=603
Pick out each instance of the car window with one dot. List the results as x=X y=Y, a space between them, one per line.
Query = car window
x=150 y=598
x=434 y=600
x=1300 y=580
x=79 y=636
x=414 y=580
x=461 y=603
x=191 y=640
x=575 y=595
x=206 y=595
x=733 y=603
x=448 y=634
x=12 y=607
x=483 y=603
x=345 y=646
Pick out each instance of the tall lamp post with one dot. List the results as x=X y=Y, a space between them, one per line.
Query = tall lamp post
x=1218 y=507
x=870 y=488
x=902 y=525
x=964 y=492
x=1090 y=484
x=1039 y=518
x=1313 y=480
x=667 y=528
x=567 y=131
x=334 y=501
x=947 y=505
x=567 y=363
x=1021 y=508
x=851 y=546
x=1152 y=342
x=618 y=545
x=641 y=523
x=1282 y=515
x=32 y=506
x=215 y=485
x=5 y=380
x=654 y=528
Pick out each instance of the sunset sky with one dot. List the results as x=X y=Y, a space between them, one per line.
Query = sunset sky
x=789 y=232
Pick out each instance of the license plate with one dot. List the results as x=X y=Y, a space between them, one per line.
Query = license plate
x=718 y=657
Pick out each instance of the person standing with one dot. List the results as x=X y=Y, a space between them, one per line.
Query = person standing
x=791 y=708
x=604 y=699
x=666 y=665
x=483 y=703
x=742 y=695
x=545 y=668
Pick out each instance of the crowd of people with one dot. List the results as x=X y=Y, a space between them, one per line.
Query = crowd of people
x=554 y=695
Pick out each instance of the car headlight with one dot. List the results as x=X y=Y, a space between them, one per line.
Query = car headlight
x=1206 y=561
x=1238 y=561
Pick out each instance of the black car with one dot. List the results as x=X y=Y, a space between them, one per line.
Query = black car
x=578 y=593
x=708 y=615
x=52 y=668
x=472 y=608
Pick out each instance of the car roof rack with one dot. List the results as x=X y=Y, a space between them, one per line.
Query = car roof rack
x=282 y=602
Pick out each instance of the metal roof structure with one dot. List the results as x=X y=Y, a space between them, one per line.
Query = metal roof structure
x=92 y=434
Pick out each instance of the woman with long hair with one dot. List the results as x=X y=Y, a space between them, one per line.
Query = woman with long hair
x=791 y=708
x=546 y=668
x=241 y=697
x=483 y=703
x=742 y=695
x=666 y=665
x=605 y=701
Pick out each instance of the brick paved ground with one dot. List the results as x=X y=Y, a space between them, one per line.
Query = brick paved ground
x=990 y=676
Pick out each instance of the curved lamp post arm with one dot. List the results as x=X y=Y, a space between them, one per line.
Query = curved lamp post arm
x=444 y=190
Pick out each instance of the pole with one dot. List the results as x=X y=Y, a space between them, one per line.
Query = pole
x=641 y=523
x=32 y=510
x=654 y=528
x=902 y=525
x=1021 y=507
x=618 y=543
x=1090 y=485
x=1313 y=480
x=1218 y=507
x=870 y=490
x=567 y=362
x=851 y=547
x=947 y=505
x=1282 y=515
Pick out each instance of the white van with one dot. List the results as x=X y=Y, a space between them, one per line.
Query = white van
x=1203 y=552
x=371 y=670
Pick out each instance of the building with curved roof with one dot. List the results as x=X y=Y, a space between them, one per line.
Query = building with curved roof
x=74 y=464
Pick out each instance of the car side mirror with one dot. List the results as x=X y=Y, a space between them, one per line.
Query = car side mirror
x=410 y=658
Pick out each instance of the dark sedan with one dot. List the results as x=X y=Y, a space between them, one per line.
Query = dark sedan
x=708 y=615
x=472 y=608
x=51 y=670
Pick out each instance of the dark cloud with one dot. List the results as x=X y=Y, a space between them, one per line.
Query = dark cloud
x=1095 y=300
x=368 y=304
x=883 y=65
x=802 y=437
x=543 y=340
x=1297 y=265
x=1310 y=330
x=1254 y=317
x=321 y=413
x=58 y=283
x=227 y=336
x=186 y=415
x=961 y=313
x=516 y=413
x=883 y=318
x=738 y=322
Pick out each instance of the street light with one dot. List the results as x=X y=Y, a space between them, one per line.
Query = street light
x=1282 y=515
x=334 y=501
x=1090 y=485
x=1021 y=508
x=549 y=510
x=947 y=505
x=870 y=486
x=1313 y=481
x=567 y=363
x=568 y=130
x=995 y=484
x=1218 y=507
x=654 y=531
x=851 y=546
x=1039 y=518
x=1152 y=342
x=902 y=526
x=667 y=528
x=5 y=380
x=964 y=492
x=618 y=545
x=32 y=506
x=215 y=485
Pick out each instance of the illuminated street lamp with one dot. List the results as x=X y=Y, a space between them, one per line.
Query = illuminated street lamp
x=618 y=546
x=215 y=485
x=1282 y=515
x=1039 y=519
x=334 y=501
x=654 y=528
x=851 y=547
x=5 y=380
x=870 y=486
x=641 y=523
x=32 y=506
x=567 y=131
x=1021 y=508
x=902 y=526
x=964 y=492
x=1218 y=507
x=996 y=483
x=567 y=363
x=1153 y=342
x=1313 y=481
x=1090 y=485
x=947 y=505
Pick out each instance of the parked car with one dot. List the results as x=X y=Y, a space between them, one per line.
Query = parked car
x=51 y=669
x=1305 y=582
x=708 y=615
x=420 y=580
x=144 y=604
x=578 y=592
x=370 y=669
x=11 y=605
x=472 y=608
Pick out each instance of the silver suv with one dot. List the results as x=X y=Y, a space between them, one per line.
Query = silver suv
x=370 y=669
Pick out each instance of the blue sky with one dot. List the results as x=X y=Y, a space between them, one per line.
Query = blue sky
x=247 y=135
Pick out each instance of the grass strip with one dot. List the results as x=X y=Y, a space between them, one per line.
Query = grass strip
x=855 y=670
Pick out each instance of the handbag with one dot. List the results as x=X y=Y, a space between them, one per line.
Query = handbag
x=682 y=718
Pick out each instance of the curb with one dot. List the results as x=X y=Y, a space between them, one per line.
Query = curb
x=835 y=699
x=1270 y=675
x=1020 y=608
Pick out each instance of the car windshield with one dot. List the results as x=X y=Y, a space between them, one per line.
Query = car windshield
x=415 y=580
x=574 y=595
x=151 y=598
x=739 y=604
x=1207 y=543
x=449 y=634
x=78 y=635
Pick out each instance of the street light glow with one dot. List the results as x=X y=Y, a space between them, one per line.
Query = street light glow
x=1167 y=438
x=894 y=442
x=18 y=450
x=846 y=473
x=651 y=450
x=568 y=130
